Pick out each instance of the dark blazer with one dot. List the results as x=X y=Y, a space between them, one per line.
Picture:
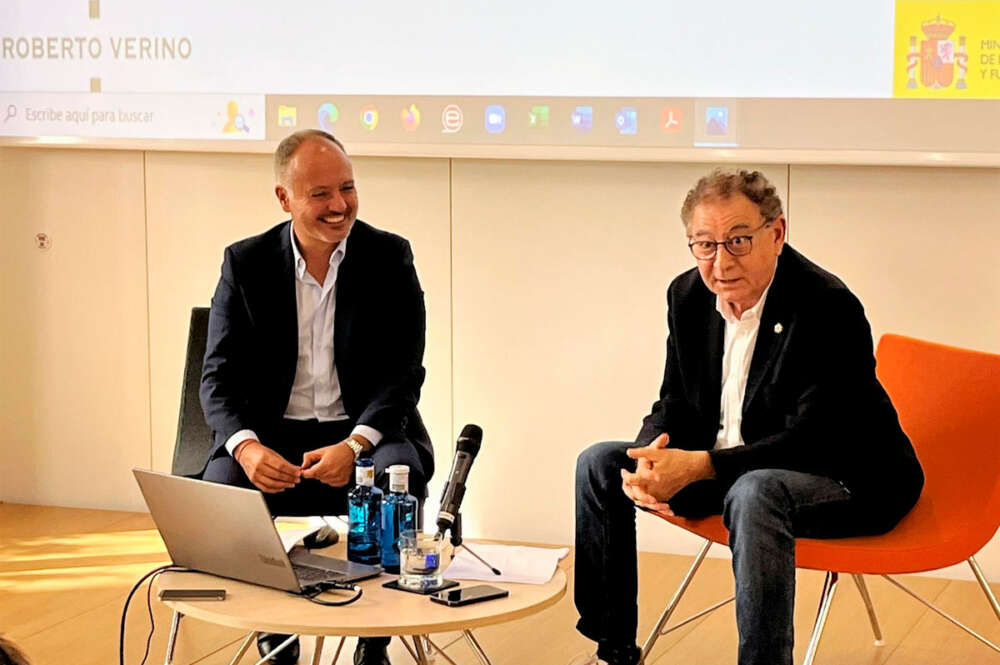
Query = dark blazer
x=812 y=401
x=378 y=336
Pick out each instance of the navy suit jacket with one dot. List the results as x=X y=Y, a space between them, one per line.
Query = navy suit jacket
x=812 y=400
x=378 y=337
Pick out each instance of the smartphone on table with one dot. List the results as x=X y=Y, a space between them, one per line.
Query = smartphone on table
x=192 y=594
x=468 y=595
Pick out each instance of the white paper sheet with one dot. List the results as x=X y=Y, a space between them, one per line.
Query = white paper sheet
x=517 y=563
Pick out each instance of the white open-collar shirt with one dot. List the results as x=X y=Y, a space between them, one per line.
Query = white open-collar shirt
x=741 y=338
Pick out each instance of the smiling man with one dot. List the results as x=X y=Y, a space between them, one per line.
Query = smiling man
x=315 y=350
x=769 y=413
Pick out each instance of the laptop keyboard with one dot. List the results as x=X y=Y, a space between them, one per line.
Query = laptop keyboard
x=308 y=575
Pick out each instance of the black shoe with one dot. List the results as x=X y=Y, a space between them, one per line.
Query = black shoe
x=268 y=642
x=371 y=651
x=317 y=540
x=618 y=654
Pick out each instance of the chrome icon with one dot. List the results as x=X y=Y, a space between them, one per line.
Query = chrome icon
x=369 y=117
x=327 y=116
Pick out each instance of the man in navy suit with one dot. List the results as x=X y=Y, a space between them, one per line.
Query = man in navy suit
x=315 y=349
x=769 y=413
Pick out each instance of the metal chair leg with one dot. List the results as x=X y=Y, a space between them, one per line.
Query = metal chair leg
x=172 y=639
x=985 y=586
x=944 y=614
x=672 y=605
x=826 y=598
x=859 y=580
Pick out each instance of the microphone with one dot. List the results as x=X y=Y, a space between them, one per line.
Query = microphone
x=466 y=450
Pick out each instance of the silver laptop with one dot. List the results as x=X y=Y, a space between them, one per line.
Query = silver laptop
x=228 y=531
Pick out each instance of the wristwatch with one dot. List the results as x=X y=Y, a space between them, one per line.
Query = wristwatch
x=354 y=445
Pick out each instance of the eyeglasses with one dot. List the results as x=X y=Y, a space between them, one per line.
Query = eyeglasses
x=740 y=245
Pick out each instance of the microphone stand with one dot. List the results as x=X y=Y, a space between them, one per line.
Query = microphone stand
x=456 y=541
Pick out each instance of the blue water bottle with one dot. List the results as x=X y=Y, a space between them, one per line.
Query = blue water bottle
x=399 y=514
x=364 y=539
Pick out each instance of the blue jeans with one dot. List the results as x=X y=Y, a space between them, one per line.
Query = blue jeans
x=764 y=510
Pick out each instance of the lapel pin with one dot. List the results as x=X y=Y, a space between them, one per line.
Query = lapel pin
x=778 y=328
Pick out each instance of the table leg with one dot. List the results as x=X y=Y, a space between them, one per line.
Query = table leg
x=420 y=650
x=318 y=649
x=476 y=648
x=340 y=646
x=243 y=647
x=439 y=650
x=172 y=638
x=413 y=654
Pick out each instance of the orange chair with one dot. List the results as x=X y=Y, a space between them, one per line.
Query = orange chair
x=947 y=402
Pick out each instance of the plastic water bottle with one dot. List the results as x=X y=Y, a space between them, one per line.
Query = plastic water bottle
x=364 y=539
x=399 y=515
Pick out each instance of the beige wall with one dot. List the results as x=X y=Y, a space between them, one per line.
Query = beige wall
x=545 y=293
x=74 y=398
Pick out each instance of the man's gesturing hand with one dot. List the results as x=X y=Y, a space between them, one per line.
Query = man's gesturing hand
x=329 y=464
x=266 y=469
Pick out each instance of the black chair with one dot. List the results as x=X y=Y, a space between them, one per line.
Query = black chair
x=194 y=436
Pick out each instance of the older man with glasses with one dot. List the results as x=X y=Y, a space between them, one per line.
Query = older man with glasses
x=770 y=413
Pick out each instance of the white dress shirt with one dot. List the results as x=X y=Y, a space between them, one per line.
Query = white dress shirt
x=741 y=338
x=316 y=393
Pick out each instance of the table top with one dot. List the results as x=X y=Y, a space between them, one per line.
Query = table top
x=379 y=611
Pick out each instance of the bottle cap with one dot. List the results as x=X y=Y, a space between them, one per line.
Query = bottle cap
x=364 y=475
x=399 y=478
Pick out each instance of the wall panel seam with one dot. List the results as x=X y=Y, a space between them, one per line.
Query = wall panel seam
x=451 y=299
x=149 y=326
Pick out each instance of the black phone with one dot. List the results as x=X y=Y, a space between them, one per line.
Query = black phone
x=468 y=595
x=192 y=594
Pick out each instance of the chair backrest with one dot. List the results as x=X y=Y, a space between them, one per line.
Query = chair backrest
x=194 y=436
x=948 y=400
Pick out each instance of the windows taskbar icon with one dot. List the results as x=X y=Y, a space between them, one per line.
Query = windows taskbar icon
x=369 y=117
x=671 y=118
x=627 y=120
x=451 y=119
x=496 y=119
x=288 y=116
x=327 y=116
x=538 y=117
x=410 y=117
x=582 y=118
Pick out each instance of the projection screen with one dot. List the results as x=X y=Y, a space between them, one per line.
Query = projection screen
x=882 y=81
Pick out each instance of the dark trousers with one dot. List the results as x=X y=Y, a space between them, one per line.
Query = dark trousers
x=764 y=510
x=292 y=439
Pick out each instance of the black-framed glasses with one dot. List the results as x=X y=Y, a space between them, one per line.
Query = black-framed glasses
x=740 y=245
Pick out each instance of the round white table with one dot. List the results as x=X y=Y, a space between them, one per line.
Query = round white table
x=379 y=611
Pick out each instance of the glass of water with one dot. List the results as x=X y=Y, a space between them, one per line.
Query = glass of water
x=420 y=560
